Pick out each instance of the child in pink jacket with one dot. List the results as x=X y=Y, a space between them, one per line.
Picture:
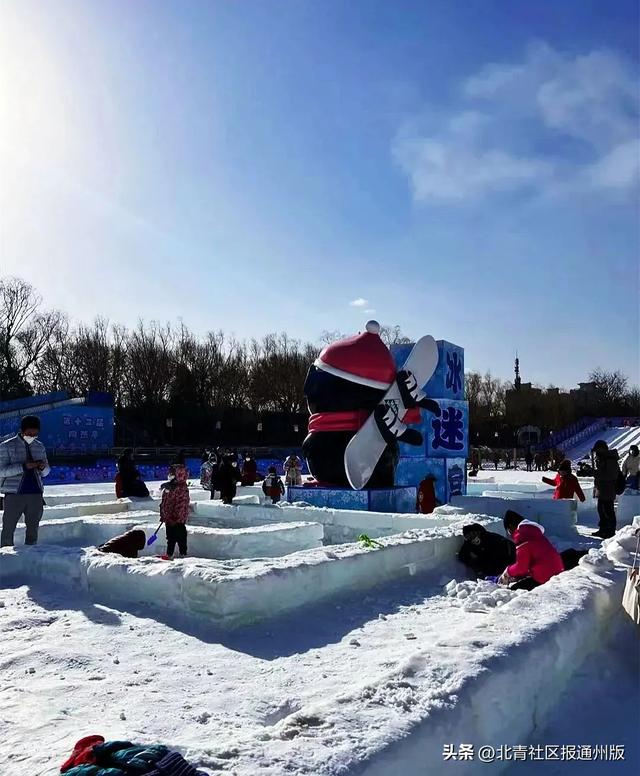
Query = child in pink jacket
x=537 y=560
x=174 y=509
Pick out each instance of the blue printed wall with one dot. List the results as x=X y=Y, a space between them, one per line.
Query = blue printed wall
x=74 y=427
x=445 y=444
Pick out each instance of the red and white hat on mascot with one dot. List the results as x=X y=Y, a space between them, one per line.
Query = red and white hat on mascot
x=363 y=359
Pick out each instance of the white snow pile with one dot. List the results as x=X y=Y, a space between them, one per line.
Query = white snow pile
x=621 y=548
x=480 y=595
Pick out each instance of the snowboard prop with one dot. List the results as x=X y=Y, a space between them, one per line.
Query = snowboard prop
x=360 y=406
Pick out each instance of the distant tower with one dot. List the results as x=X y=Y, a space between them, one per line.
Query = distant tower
x=517 y=382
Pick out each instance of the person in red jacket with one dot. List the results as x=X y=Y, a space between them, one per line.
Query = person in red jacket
x=566 y=484
x=537 y=560
x=427 y=495
x=249 y=471
x=174 y=510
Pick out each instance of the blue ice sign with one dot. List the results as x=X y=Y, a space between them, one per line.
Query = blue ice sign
x=454 y=372
x=448 y=430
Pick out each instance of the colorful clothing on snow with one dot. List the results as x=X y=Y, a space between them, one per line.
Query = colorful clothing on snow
x=122 y=758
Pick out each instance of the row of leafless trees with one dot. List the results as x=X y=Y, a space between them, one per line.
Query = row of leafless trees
x=152 y=365
x=155 y=366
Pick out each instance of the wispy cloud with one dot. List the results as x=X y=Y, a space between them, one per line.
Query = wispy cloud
x=359 y=302
x=369 y=311
x=550 y=121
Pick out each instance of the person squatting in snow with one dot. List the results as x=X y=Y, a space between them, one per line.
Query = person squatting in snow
x=487 y=554
x=566 y=484
x=128 y=544
x=174 y=509
x=272 y=486
x=129 y=482
x=537 y=560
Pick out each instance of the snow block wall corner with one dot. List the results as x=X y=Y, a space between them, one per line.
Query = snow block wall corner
x=446 y=439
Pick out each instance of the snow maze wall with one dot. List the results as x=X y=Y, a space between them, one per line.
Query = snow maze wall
x=474 y=642
x=245 y=562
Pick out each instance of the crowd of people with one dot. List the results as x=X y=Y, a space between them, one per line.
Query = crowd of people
x=540 y=461
x=527 y=558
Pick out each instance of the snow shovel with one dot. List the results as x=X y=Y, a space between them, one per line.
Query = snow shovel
x=154 y=536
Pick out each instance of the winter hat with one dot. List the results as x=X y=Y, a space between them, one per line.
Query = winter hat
x=362 y=359
x=512 y=519
x=474 y=528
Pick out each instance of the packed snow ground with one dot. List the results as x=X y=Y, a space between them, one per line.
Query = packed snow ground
x=343 y=686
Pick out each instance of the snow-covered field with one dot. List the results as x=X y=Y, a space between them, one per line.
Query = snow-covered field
x=360 y=675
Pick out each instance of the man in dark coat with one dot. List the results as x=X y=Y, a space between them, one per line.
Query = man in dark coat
x=228 y=478
x=486 y=553
x=606 y=475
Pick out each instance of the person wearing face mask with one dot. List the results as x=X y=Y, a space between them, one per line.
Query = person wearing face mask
x=487 y=554
x=23 y=464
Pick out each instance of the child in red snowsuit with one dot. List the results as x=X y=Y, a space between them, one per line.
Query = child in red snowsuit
x=174 y=509
x=537 y=560
x=566 y=484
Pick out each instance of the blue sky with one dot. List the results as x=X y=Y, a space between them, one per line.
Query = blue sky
x=464 y=168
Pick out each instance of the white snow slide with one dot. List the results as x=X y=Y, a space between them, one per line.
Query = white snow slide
x=619 y=438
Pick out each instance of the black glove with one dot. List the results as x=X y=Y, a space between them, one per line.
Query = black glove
x=393 y=429
x=412 y=395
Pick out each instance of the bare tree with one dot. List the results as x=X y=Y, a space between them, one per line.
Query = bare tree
x=610 y=388
x=328 y=337
x=150 y=365
x=278 y=369
x=392 y=335
x=26 y=333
